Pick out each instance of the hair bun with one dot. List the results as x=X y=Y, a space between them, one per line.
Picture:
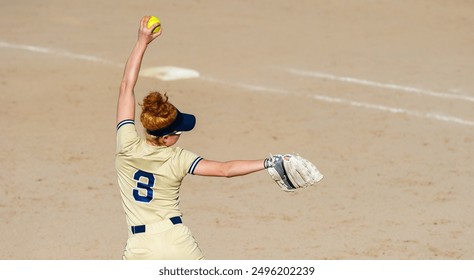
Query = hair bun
x=157 y=112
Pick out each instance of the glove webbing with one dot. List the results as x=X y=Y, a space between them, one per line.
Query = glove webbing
x=280 y=168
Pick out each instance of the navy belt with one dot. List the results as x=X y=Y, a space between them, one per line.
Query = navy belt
x=142 y=228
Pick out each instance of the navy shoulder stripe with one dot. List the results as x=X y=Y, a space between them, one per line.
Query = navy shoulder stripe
x=194 y=164
x=124 y=122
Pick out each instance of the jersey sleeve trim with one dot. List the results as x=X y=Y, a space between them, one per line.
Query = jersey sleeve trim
x=124 y=122
x=193 y=165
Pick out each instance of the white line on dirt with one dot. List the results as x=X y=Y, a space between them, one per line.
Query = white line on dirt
x=325 y=98
x=57 y=52
x=380 y=85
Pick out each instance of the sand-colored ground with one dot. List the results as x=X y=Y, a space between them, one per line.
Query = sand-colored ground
x=378 y=94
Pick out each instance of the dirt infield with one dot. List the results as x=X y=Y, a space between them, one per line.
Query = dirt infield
x=378 y=94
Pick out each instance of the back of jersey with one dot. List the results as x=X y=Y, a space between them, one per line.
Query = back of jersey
x=149 y=176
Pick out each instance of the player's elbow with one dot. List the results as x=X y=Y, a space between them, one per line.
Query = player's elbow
x=227 y=170
x=226 y=173
x=126 y=87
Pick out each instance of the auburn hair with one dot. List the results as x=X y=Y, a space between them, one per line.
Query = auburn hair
x=157 y=112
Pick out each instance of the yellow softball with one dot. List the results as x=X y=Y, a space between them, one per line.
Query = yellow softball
x=153 y=20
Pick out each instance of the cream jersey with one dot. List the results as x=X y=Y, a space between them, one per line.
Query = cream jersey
x=149 y=177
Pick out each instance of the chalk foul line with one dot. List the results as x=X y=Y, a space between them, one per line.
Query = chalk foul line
x=165 y=73
x=329 y=99
x=61 y=53
x=379 y=85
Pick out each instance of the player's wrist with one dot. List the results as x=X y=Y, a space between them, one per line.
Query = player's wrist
x=267 y=163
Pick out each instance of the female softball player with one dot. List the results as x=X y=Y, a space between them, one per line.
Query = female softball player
x=150 y=169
